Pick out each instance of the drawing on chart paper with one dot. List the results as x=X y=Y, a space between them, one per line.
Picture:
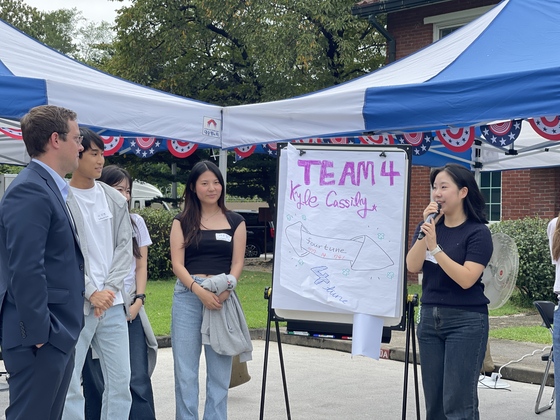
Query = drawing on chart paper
x=362 y=252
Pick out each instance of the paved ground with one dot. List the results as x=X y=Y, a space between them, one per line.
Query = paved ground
x=324 y=382
x=328 y=384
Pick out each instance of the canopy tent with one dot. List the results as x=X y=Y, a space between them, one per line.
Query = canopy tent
x=33 y=74
x=501 y=67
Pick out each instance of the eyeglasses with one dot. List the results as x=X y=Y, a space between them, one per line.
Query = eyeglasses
x=77 y=139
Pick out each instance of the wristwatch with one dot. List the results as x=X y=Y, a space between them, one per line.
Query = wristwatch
x=434 y=251
x=142 y=297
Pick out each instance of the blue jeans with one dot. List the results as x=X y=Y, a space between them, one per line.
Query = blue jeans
x=452 y=344
x=140 y=384
x=108 y=336
x=556 y=356
x=186 y=341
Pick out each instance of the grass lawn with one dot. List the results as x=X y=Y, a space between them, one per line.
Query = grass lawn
x=509 y=308
x=250 y=290
x=532 y=334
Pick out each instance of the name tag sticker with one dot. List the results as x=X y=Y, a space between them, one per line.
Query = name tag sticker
x=223 y=237
x=102 y=215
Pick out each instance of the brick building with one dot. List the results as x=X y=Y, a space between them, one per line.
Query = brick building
x=413 y=25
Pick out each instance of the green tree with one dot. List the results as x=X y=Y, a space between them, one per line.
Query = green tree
x=253 y=176
x=57 y=29
x=236 y=52
x=95 y=43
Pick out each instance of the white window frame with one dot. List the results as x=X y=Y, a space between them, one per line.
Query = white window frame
x=454 y=19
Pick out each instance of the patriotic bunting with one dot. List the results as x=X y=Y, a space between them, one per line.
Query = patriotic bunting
x=181 y=149
x=271 y=149
x=112 y=145
x=547 y=127
x=501 y=134
x=420 y=142
x=378 y=139
x=311 y=140
x=457 y=139
x=144 y=146
x=14 y=133
x=337 y=140
x=245 y=151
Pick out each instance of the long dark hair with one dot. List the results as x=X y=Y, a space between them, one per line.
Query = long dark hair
x=473 y=204
x=191 y=215
x=113 y=175
x=556 y=241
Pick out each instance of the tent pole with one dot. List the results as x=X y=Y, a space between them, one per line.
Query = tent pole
x=174 y=184
x=477 y=152
x=223 y=164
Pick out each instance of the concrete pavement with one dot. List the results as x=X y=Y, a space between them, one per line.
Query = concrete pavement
x=328 y=384
x=325 y=382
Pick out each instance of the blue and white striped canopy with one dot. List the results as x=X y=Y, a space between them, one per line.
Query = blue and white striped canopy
x=33 y=74
x=502 y=66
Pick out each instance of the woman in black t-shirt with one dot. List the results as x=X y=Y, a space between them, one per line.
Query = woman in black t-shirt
x=206 y=239
x=453 y=327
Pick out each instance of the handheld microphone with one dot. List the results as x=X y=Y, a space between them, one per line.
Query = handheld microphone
x=429 y=219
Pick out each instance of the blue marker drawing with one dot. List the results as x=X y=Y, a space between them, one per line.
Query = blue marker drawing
x=346 y=272
x=321 y=277
x=381 y=236
x=303 y=217
x=390 y=275
x=300 y=262
x=289 y=217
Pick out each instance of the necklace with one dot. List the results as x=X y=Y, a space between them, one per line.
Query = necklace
x=205 y=219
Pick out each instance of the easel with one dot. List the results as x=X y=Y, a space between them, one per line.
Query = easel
x=270 y=318
x=411 y=303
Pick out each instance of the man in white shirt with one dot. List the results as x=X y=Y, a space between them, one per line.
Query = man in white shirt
x=105 y=231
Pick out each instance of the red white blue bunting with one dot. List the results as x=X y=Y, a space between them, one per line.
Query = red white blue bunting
x=547 y=127
x=14 y=133
x=309 y=141
x=338 y=140
x=457 y=139
x=144 y=147
x=271 y=149
x=245 y=151
x=378 y=139
x=420 y=142
x=501 y=134
x=112 y=145
x=181 y=149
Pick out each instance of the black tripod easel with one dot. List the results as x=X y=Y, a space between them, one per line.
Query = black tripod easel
x=272 y=317
x=411 y=303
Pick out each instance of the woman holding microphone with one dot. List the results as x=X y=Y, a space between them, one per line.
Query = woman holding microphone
x=453 y=327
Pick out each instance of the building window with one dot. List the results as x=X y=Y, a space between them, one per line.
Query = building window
x=446 y=31
x=445 y=24
x=491 y=188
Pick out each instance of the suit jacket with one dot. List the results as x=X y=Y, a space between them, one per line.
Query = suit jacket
x=122 y=244
x=41 y=265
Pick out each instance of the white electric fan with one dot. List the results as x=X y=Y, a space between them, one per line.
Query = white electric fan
x=499 y=279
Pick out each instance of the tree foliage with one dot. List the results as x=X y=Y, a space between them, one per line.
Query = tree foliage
x=65 y=30
x=235 y=52
x=57 y=29
x=253 y=176
x=535 y=279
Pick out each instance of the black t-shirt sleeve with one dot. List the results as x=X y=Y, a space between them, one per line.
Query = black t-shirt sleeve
x=234 y=219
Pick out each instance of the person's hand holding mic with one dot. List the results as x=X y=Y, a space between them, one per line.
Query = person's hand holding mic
x=430 y=214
